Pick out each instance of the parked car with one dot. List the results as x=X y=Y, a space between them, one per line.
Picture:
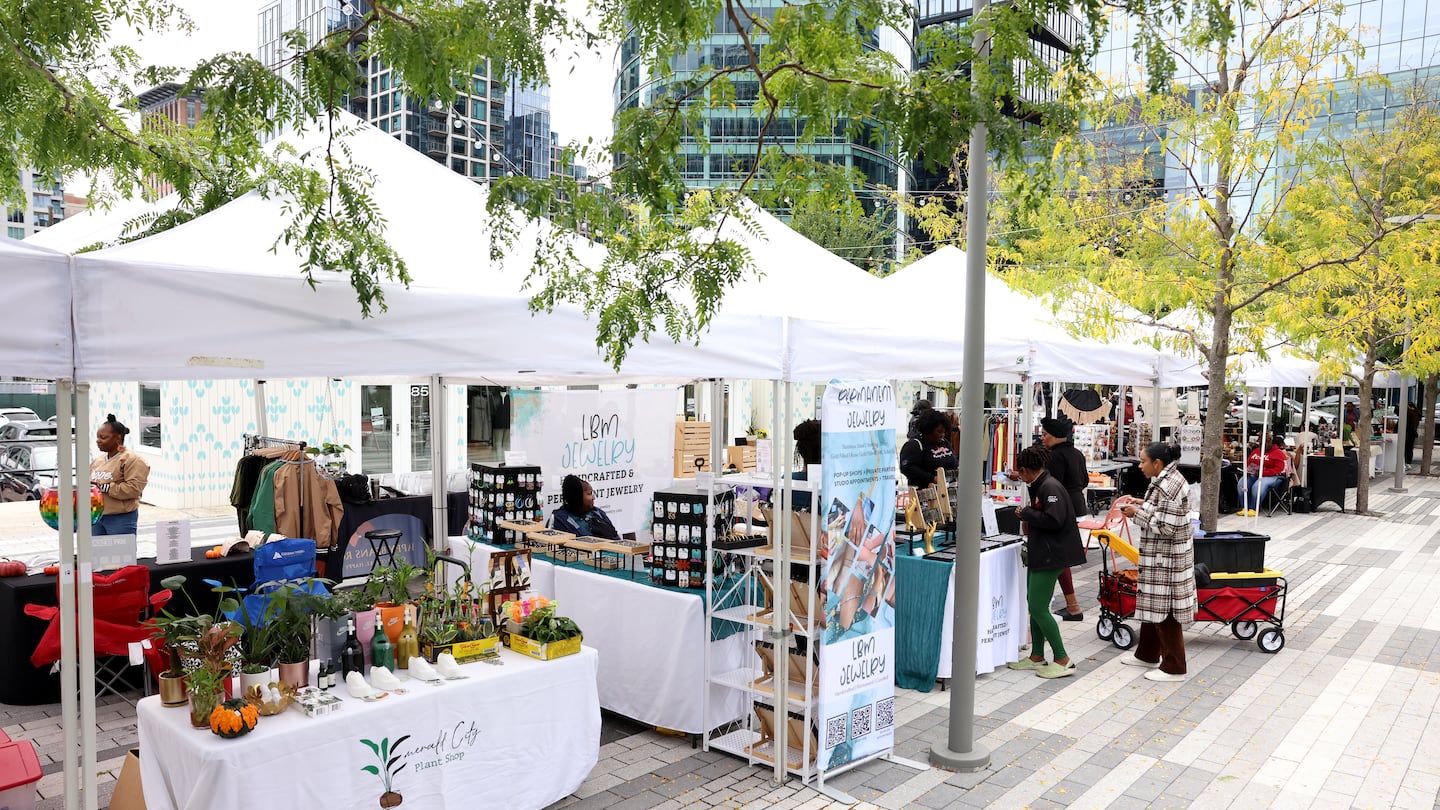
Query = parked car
x=27 y=430
x=16 y=414
x=1254 y=412
x=27 y=469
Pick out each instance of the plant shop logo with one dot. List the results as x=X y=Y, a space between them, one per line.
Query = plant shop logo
x=449 y=745
x=389 y=767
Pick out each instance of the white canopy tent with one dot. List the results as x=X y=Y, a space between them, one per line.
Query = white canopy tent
x=36 y=341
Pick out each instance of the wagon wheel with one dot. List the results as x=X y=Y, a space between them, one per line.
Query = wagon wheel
x=1271 y=640
x=1105 y=628
x=1124 y=636
x=1243 y=630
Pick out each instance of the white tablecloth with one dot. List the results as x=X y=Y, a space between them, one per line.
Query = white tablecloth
x=651 y=642
x=521 y=735
x=1003 y=618
x=652 y=650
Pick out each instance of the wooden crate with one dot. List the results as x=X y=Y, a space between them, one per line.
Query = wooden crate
x=692 y=441
x=742 y=458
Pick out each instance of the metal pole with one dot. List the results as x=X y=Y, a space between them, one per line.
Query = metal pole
x=1401 y=426
x=69 y=659
x=262 y=412
x=961 y=752
x=85 y=604
x=439 y=500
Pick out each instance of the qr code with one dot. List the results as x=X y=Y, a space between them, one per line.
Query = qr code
x=885 y=714
x=835 y=731
x=862 y=721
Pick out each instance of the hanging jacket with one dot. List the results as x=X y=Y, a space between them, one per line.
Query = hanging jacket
x=262 y=504
x=322 y=508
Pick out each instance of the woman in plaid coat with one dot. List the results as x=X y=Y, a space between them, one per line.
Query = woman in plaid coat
x=1165 y=593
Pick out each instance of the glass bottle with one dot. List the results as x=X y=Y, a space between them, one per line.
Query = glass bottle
x=408 y=645
x=352 y=658
x=382 y=652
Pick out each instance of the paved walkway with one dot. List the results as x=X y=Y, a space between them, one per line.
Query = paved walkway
x=1344 y=716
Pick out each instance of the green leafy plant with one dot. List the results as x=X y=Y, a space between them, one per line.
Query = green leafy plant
x=544 y=626
x=326 y=449
x=176 y=630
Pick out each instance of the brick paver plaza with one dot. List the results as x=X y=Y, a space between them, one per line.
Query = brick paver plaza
x=1344 y=716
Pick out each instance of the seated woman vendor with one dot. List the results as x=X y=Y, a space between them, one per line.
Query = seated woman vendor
x=578 y=513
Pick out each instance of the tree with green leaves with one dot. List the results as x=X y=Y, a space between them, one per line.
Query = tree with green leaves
x=72 y=101
x=1365 y=185
x=1200 y=261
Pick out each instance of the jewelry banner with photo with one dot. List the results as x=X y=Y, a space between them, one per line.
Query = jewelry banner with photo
x=857 y=649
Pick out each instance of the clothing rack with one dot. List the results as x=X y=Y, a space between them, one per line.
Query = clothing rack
x=254 y=441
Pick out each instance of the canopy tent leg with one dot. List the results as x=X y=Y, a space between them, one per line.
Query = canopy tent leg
x=262 y=411
x=439 y=496
x=69 y=657
x=86 y=615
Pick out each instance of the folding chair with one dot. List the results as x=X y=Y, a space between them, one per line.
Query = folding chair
x=123 y=608
x=1114 y=521
x=1281 y=497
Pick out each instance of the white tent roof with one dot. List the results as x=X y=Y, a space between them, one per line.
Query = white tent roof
x=210 y=299
x=36 y=340
x=1019 y=333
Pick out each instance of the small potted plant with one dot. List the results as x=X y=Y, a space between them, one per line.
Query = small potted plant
x=537 y=631
x=257 y=643
x=329 y=457
x=397 y=589
x=188 y=638
x=293 y=604
x=214 y=665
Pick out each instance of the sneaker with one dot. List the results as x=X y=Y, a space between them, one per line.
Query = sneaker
x=1066 y=616
x=1056 y=670
x=1164 y=677
x=1248 y=513
x=1129 y=658
x=1027 y=663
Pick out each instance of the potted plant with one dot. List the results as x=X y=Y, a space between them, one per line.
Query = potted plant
x=537 y=631
x=329 y=457
x=395 y=592
x=205 y=680
x=182 y=637
x=291 y=608
x=257 y=643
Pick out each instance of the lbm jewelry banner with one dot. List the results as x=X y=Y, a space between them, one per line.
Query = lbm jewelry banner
x=622 y=442
x=857 y=650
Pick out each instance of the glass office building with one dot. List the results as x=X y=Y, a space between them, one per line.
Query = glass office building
x=732 y=134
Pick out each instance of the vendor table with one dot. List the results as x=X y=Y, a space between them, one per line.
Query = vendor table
x=1329 y=477
x=925 y=614
x=524 y=734
x=651 y=641
x=1229 y=484
x=22 y=684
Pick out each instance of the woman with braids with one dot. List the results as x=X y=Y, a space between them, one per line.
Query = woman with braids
x=1052 y=545
x=120 y=475
x=578 y=513
x=1165 y=593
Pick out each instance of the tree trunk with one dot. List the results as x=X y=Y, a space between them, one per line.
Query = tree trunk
x=1427 y=415
x=1212 y=437
x=1362 y=431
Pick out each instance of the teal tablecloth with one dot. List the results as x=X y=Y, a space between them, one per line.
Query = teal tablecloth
x=920 y=590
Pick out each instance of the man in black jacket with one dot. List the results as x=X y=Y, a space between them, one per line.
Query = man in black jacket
x=1066 y=465
x=1053 y=544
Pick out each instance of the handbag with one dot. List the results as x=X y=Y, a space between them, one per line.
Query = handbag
x=353 y=489
x=1300 y=500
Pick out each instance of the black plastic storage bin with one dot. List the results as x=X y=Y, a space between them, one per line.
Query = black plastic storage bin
x=1231 y=552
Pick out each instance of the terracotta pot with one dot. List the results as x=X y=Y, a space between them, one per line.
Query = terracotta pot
x=297 y=674
x=392 y=618
x=172 y=690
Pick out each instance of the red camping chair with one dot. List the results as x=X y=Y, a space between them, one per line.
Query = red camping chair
x=123 y=608
x=1114 y=521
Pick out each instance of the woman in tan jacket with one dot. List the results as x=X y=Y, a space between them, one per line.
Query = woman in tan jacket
x=120 y=475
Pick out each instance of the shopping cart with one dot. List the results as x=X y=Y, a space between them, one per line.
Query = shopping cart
x=1243 y=600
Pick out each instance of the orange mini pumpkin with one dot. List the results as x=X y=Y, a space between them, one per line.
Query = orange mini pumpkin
x=233 y=718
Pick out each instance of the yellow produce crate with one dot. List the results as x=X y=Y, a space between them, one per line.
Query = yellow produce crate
x=544 y=652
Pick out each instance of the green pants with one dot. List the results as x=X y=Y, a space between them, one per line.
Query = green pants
x=1039 y=590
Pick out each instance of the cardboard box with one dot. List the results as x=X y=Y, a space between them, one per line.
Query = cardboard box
x=463 y=651
x=128 y=795
x=544 y=652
